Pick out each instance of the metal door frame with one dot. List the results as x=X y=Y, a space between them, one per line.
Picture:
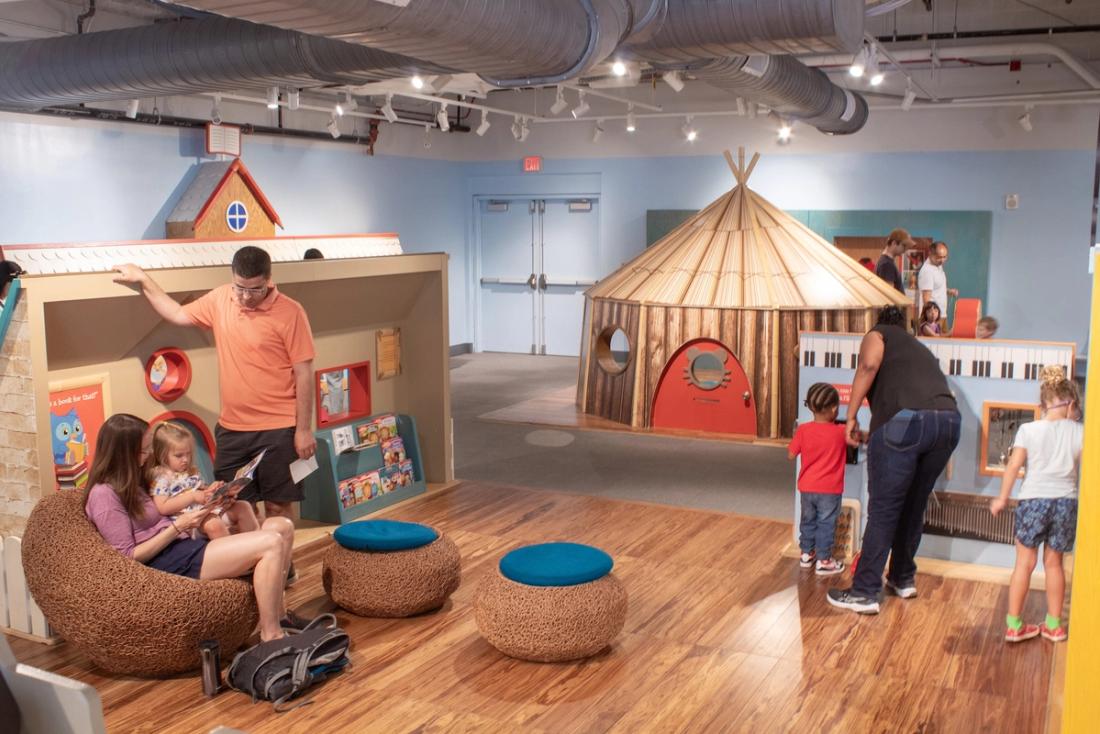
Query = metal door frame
x=476 y=273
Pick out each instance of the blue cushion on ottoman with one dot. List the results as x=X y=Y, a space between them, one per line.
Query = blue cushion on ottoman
x=384 y=535
x=555 y=564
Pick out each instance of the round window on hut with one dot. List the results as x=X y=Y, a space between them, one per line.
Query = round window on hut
x=613 y=350
x=706 y=371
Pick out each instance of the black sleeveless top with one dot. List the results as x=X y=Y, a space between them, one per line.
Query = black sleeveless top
x=909 y=377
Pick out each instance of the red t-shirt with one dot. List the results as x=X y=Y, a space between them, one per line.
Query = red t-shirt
x=824 y=451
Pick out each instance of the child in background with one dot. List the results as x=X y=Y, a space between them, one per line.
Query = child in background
x=1047 y=513
x=176 y=485
x=986 y=328
x=929 y=320
x=821 y=478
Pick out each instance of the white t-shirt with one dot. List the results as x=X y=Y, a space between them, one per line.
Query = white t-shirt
x=1053 y=458
x=932 y=278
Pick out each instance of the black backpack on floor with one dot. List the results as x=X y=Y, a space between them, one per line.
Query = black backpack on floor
x=279 y=670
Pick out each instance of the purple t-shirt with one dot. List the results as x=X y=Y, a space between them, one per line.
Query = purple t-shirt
x=105 y=510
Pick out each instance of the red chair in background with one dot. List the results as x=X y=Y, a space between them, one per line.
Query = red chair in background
x=967 y=313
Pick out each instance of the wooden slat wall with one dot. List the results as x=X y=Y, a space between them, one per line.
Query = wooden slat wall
x=747 y=333
x=611 y=396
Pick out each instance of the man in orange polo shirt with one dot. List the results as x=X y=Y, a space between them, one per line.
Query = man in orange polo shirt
x=265 y=373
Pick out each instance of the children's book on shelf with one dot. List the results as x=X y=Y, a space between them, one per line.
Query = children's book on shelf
x=393 y=451
x=366 y=435
x=391 y=478
x=387 y=427
x=373 y=483
x=407 y=474
x=343 y=439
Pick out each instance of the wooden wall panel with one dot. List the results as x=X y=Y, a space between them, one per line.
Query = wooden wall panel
x=608 y=395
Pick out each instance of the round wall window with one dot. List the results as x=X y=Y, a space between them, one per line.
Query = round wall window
x=236 y=216
x=613 y=350
x=707 y=371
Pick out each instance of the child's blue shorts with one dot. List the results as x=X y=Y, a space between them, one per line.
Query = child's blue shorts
x=1050 y=521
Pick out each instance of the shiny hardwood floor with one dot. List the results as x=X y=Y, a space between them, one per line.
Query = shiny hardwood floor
x=723 y=634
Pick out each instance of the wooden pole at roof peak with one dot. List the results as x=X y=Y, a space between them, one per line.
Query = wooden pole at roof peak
x=740 y=172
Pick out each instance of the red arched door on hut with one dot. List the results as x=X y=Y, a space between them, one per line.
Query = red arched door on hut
x=703 y=388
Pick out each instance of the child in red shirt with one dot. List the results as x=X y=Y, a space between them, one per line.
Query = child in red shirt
x=821 y=478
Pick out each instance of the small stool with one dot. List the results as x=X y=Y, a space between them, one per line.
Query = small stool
x=551 y=602
x=388 y=568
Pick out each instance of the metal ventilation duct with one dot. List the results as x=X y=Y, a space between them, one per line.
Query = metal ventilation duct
x=182 y=57
x=520 y=42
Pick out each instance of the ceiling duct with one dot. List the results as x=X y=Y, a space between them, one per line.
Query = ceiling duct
x=183 y=57
x=523 y=42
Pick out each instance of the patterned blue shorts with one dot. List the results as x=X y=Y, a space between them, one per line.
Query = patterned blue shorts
x=1050 y=521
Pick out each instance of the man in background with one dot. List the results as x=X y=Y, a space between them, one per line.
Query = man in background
x=932 y=281
x=886 y=268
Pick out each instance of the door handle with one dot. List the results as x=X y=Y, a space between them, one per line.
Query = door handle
x=542 y=281
x=531 y=282
x=745 y=396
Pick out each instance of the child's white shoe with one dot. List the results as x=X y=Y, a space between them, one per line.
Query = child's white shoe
x=829 y=567
x=807 y=559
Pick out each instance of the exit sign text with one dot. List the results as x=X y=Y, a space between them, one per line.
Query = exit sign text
x=532 y=164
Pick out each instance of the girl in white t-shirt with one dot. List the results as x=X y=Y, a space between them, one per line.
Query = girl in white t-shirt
x=1047 y=511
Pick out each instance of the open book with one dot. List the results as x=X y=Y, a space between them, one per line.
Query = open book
x=240 y=480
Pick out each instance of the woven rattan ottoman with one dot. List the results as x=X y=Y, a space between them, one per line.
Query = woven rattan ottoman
x=551 y=602
x=388 y=568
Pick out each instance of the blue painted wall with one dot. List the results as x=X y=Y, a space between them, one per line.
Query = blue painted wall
x=1038 y=287
x=65 y=182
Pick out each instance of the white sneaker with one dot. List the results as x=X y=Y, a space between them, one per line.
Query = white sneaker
x=907 y=590
x=807 y=559
x=829 y=567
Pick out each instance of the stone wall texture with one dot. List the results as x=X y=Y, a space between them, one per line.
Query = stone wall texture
x=19 y=471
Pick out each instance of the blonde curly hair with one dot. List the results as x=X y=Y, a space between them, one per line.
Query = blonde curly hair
x=1055 y=387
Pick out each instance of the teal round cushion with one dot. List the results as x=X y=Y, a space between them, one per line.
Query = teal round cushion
x=556 y=564
x=384 y=535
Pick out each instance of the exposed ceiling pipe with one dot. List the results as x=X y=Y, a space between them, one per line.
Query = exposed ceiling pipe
x=183 y=57
x=974 y=52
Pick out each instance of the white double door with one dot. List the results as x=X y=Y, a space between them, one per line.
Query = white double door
x=537 y=257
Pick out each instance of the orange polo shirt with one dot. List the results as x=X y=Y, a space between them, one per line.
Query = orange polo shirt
x=257 y=350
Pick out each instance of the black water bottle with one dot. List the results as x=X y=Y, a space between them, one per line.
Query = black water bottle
x=211 y=667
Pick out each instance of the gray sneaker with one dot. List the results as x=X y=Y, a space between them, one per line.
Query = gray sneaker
x=847 y=599
x=906 y=590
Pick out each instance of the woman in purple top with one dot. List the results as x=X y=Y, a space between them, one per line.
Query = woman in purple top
x=126 y=517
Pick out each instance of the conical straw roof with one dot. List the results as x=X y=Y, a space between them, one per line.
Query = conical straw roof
x=743 y=252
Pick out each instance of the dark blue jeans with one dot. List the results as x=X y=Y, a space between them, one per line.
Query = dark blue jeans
x=817 y=528
x=904 y=458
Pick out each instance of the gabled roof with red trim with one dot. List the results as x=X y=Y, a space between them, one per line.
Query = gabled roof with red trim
x=211 y=178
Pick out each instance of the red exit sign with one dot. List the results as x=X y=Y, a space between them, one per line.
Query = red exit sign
x=532 y=164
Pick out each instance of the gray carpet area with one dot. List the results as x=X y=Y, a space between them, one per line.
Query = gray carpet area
x=712 y=475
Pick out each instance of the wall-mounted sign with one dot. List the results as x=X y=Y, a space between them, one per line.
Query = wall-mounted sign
x=223 y=139
x=532 y=164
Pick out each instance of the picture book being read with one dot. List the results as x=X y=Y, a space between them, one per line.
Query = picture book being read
x=240 y=480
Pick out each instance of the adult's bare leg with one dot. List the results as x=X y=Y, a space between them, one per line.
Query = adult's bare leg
x=279 y=509
x=285 y=528
x=262 y=552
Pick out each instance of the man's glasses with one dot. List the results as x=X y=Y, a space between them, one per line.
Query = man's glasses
x=260 y=291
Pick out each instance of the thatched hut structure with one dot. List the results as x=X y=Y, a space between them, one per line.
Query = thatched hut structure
x=711 y=314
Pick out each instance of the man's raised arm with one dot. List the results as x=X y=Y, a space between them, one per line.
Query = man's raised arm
x=169 y=310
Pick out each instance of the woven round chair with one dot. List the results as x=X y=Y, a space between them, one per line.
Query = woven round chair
x=551 y=602
x=387 y=568
x=126 y=617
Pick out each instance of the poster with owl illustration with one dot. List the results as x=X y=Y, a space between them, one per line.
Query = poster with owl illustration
x=78 y=409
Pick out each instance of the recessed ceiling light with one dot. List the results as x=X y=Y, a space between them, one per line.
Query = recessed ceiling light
x=417 y=82
x=618 y=68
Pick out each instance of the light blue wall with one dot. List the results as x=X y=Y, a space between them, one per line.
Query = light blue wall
x=64 y=182
x=1038 y=287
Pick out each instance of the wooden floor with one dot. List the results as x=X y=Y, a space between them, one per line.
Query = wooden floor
x=559 y=410
x=722 y=634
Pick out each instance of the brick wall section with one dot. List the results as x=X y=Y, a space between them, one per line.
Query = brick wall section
x=19 y=473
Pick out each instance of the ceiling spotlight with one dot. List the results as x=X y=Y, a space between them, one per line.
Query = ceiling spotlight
x=427 y=135
x=524 y=131
x=559 y=103
x=910 y=96
x=1024 y=120
x=417 y=82
x=132 y=108
x=674 y=80
x=293 y=99
x=582 y=108
x=741 y=106
x=618 y=68
x=387 y=109
x=484 y=126
x=516 y=129
x=337 y=110
x=273 y=98
x=784 y=132
x=874 y=72
x=859 y=63
x=631 y=123
x=333 y=128
x=215 y=110
x=349 y=103
x=597 y=131
x=690 y=133
x=441 y=118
